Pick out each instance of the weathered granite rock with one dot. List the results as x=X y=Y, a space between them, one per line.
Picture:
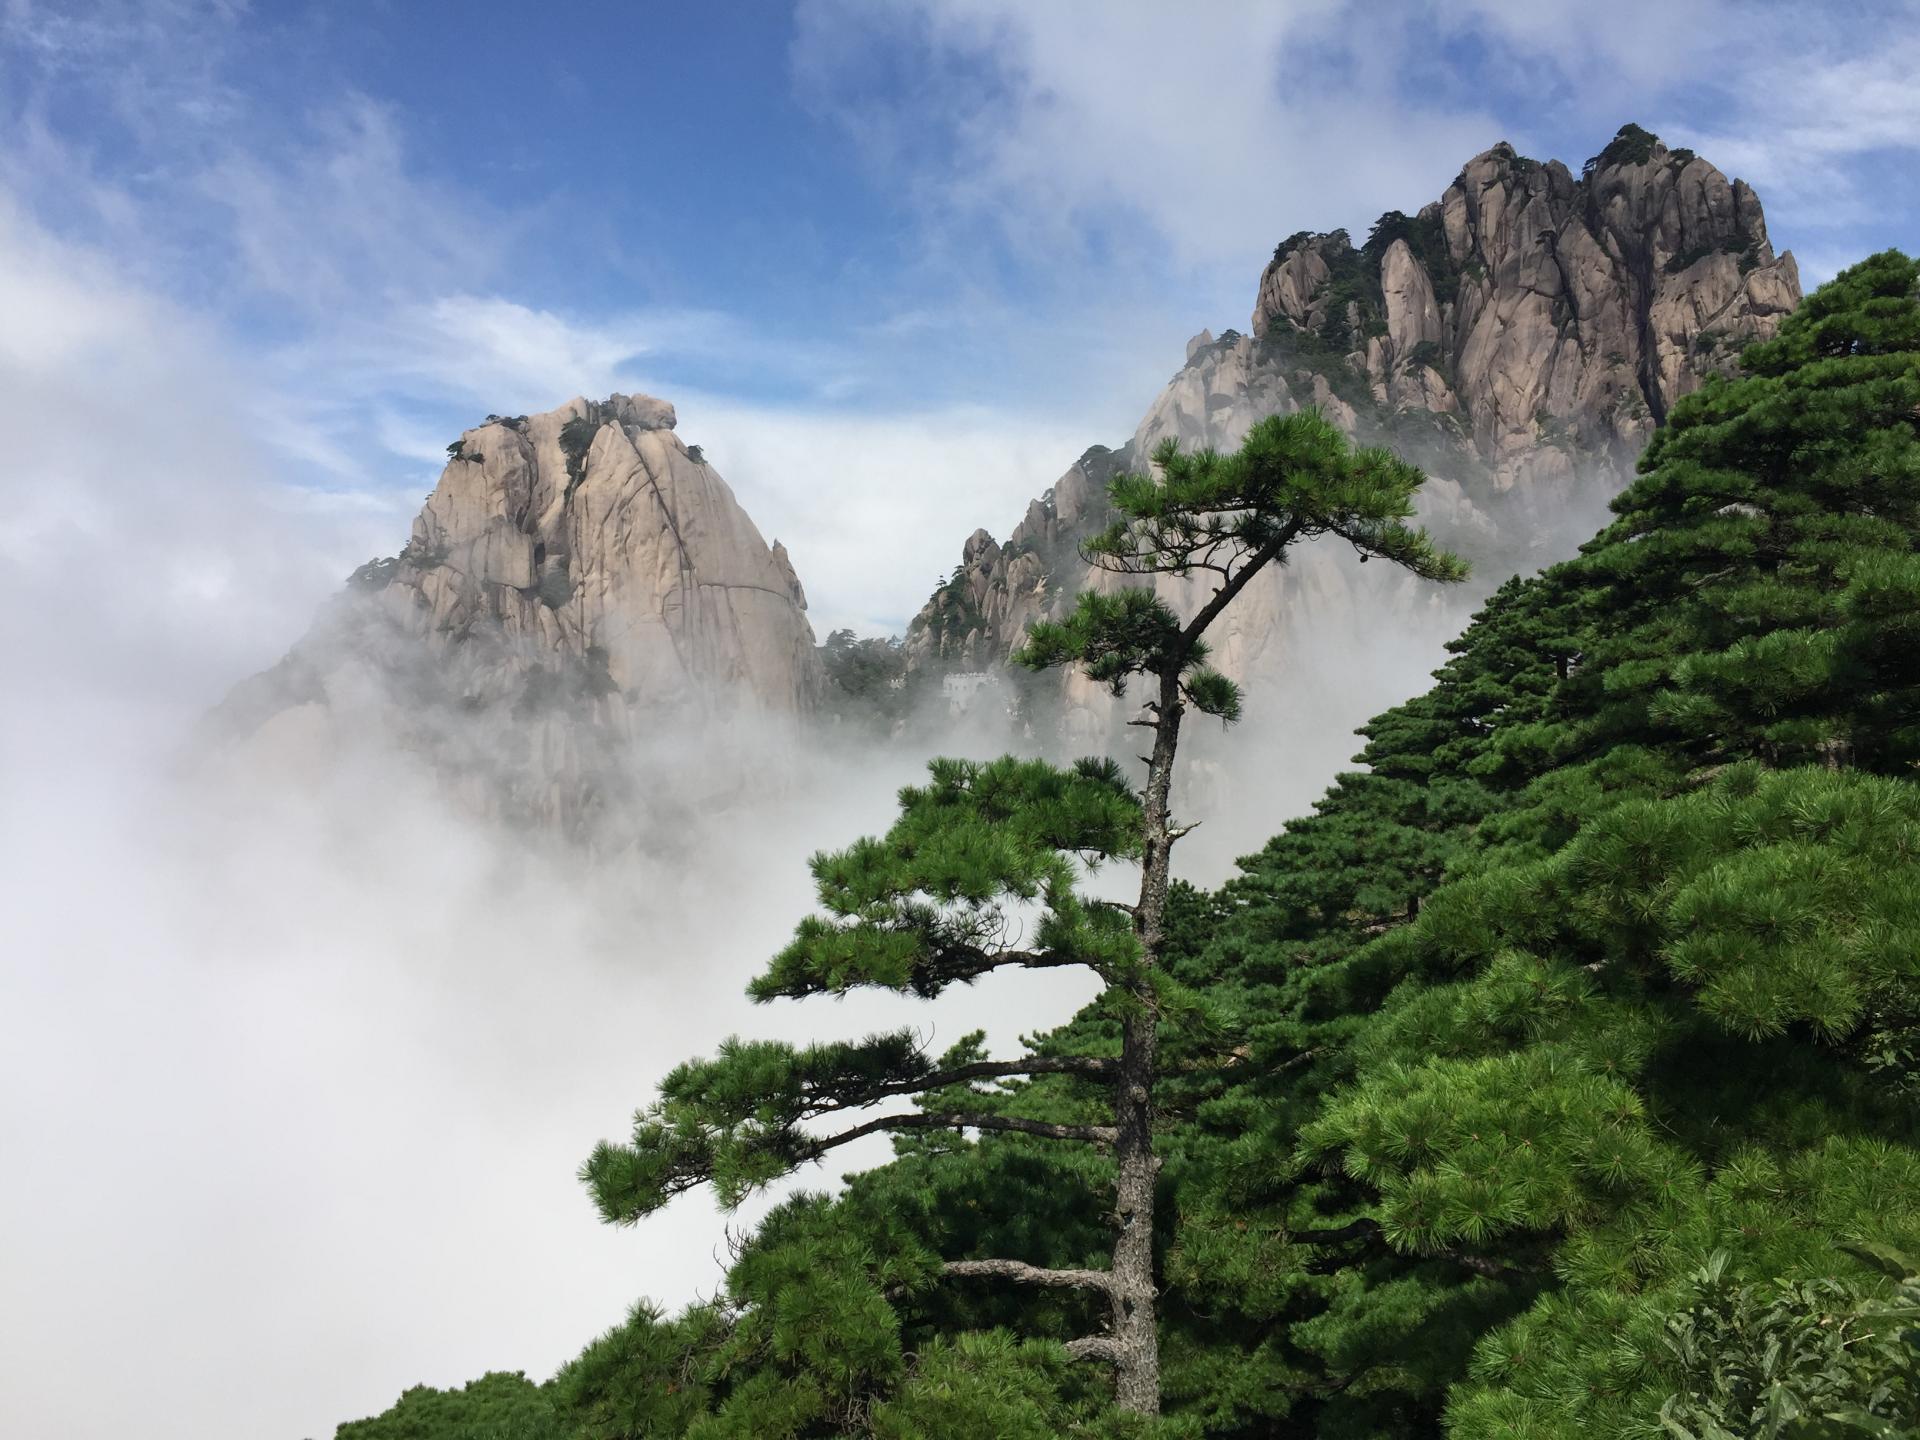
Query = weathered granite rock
x=592 y=530
x=1549 y=308
x=1519 y=339
x=1413 y=317
x=1299 y=283
x=578 y=582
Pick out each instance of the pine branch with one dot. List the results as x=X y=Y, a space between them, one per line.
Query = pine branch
x=973 y=962
x=813 y=1149
x=1224 y=596
x=1094 y=1347
x=1485 y=1265
x=1021 y=1273
x=1092 y=1066
x=1368 y=1228
x=1365 y=1226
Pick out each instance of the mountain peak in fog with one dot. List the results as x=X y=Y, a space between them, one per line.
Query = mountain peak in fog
x=1518 y=338
x=575 y=578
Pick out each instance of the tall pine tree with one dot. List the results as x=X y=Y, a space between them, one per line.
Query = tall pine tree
x=1665 y=1004
x=938 y=899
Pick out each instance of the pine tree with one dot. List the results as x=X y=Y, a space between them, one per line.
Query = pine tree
x=1662 y=1000
x=498 y=1406
x=1760 y=586
x=938 y=900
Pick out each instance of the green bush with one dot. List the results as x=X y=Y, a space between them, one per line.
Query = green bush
x=576 y=439
x=1630 y=145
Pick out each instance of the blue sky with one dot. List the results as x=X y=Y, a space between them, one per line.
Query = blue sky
x=896 y=264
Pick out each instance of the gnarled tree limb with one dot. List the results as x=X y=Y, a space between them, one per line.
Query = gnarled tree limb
x=1366 y=1225
x=1091 y=1066
x=1022 y=1273
x=1094 y=1347
x=814 y=1148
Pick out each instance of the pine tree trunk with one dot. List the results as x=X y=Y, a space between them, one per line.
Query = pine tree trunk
x=1135 y=1334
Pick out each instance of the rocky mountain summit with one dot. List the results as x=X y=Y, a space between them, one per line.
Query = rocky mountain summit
x=574 y=578
x=1519 y=338
x=1541 y=308
x=581 y=593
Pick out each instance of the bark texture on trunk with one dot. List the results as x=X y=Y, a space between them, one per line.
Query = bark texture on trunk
x=1136 y=1338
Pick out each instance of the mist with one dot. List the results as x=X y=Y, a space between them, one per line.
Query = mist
x=302 y=1051
x=299 y=1051
x=299 y=1068
x=298 y=1054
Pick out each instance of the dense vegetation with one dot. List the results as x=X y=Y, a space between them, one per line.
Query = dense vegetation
x=1555 y=1078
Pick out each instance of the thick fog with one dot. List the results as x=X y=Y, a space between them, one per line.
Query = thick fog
x=301 y=1056
x=299 y=1068
x=297 y=1060
x=298 y=1056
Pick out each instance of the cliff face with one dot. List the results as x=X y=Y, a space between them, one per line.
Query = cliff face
x=1540 y=307
x=592 y=531
x=575 y=578
x=582 y=588
x=1519 y=338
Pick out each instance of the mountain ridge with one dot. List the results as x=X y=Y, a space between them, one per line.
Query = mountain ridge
x=577 y=580
x=1518 y=338
x=585 y=583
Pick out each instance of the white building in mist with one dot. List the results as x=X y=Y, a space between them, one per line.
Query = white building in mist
x=963 y=690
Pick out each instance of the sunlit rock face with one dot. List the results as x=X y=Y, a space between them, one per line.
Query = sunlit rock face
x=1541 y=307
x=592 y=531
x=1519 y=338
x=580 y=592
x=582 y=599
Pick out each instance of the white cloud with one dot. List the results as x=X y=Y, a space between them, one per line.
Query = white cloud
x=493 y=352
x=1062 y=116
x=1804 y=119
x=129 y=434
x=339 y=218
x=1623 y=49
x=1130 y=142
x=873 y=508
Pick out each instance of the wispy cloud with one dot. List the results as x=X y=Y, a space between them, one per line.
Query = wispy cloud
x=1122 y=127
x=137 y=483
x=1087 y=185
x=1116 y=136
x=1827 y=131
x=338 y=218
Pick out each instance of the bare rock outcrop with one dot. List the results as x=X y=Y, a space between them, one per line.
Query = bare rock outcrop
x=579 y=584
x=1545 y=309
x=1519 y=338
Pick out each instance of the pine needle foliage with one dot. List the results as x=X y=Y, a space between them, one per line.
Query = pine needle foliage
x=1555 y=1078
x=1204 y=514
x=498 y=1406
x=1608 y=961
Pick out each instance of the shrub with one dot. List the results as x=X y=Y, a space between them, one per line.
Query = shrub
x=1630 y=145
x=576 y=439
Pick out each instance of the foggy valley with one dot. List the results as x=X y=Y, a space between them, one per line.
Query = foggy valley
x=464 y=555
